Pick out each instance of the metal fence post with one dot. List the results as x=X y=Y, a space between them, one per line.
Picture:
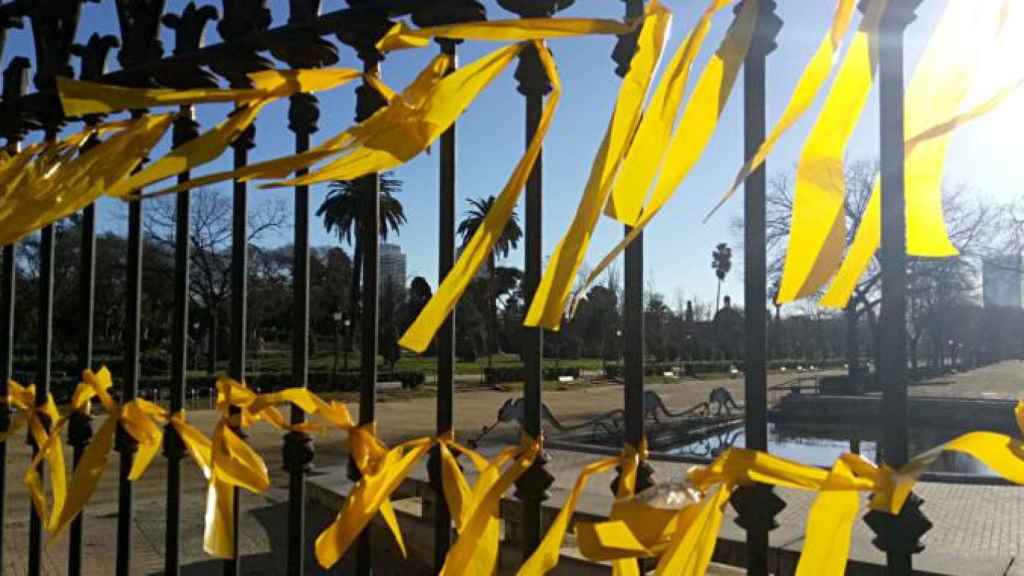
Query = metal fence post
x=434 y=15
x=898 y=536
x=15 y=80
x=533 y=84
x=757 y=505
x=368 y=101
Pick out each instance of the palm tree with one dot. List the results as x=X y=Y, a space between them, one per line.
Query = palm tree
x=342 y=211
x=721 y=263
x=507 y=241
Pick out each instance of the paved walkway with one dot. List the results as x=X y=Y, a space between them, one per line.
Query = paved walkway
x=972 y=523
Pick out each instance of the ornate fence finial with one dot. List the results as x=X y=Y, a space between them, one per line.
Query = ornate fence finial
x=94 y=55
x=13 y=124
x=241 y=18
x=140 y=31
x=189 y=30
x=449 y=12
x=626 y=45
x=306 y=49
x=364 y=38
x=899 y=14
x=768 y=27
x=53 y=31
x=8 y=21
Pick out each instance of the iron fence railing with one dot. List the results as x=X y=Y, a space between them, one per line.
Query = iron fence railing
x=247 y=32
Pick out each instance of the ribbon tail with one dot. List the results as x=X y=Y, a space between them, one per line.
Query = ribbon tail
x=87 y=474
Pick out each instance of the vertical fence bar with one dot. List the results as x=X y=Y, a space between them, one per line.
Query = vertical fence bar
x=368 y=101
x=45 y=346
x=446 y=335
x=93 y=64
x=898 y=536
x=633 y=305
x=15 y=80
x=185 y=129
x=239 y=302
x=7 y=292
x=123 y=442
x=451 y=12
x=298 y=446
x=531 y=488
x=79 y=426
x=756 y=505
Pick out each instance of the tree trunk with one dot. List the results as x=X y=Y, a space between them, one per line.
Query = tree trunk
x=718 y=294
x=211 y=360
x=355 y=289
x=493 y=312
x=852 y=351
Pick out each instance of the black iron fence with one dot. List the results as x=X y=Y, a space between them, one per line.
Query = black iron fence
x=248 y=33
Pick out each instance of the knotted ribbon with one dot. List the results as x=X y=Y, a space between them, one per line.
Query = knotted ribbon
x=137 y=418
x=39 y=418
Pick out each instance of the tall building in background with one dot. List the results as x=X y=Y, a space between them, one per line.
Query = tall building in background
x=1001 y=281
x=392 y=266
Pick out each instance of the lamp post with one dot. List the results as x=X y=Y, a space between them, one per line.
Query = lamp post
x=347 y=323
x=334 y=367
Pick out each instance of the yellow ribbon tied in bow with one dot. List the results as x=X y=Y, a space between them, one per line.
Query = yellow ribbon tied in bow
x=138 y=418
x=381 y=472
x=39 y=418
x=232 y=464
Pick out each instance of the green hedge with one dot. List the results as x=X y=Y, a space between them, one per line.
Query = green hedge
x=516 y=374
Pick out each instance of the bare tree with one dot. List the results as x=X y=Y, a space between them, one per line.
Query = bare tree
x=210 y=234
x=966 y=220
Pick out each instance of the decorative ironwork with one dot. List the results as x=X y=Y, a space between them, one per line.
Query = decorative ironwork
x=189 y=29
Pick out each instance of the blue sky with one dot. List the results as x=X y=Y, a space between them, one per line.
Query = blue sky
x=491 y=139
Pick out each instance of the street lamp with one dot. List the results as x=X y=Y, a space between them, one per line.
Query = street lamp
x=348 y=322
x=337 y=316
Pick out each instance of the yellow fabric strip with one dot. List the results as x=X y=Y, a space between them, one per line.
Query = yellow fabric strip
x=79 y=97
x=283 y=167
x=23 y=399
x=206 y=148
x=818 y=226
x=964 y=35
x=51 y=191
x=698 y=124
x=401 y=36
x=418 y=336
x=546 y=556
x=139 y=418
x=550 y=297
x=476 y=549
x=648 y=152
x=233 y=464
x=829 y=525
x=407 y=127
x=813 y=77
x=381 y=472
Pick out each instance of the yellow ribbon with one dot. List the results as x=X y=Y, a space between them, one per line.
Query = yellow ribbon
x=233 y=463
x=813 y=77
x=41 y=420
x=418 y=336
x=690 y=137
x=80 y=97
x=547 y=554
x=382 y=471
x=479 y=510
x=387 y=120
x=401 y=36
x=138 y=418
x=548 y=303
x=54 y=185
